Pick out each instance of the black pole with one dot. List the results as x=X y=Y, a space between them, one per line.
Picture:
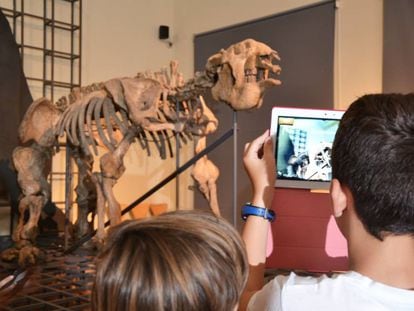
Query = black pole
x=161 y=184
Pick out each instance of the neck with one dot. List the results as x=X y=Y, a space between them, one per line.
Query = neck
x=389 y=261
x=194 y=87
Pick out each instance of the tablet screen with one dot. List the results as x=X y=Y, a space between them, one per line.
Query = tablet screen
x=303 y=144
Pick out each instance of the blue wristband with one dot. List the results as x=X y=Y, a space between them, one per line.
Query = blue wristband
x=251 y=210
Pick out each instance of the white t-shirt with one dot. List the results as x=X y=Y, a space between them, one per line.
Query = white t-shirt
x=348 y=291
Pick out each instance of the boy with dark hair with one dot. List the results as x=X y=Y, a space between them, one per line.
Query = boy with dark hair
x=373 y=202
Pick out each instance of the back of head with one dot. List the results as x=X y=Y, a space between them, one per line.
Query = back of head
x=373 y=155
x=183 y=260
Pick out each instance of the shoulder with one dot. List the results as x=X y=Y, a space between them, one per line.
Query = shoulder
x=269 y=297
x=346 y=291
x=284 y=290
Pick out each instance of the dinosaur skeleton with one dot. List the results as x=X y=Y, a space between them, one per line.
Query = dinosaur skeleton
x=149 y=106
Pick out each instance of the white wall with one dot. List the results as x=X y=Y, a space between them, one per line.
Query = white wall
x=120 y=38
x=358 y=55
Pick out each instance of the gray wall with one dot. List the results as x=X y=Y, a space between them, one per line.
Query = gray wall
x=304 y=39
x=398 y=59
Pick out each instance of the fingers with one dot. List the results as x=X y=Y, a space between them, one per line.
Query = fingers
x=268 y=147
x=259 y=141
x=6 y=280
x=256 y=144
x=246 y=146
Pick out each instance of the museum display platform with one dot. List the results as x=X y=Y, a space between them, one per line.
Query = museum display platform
x=59 y=282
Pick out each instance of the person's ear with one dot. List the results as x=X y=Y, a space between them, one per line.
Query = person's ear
x=339 y=198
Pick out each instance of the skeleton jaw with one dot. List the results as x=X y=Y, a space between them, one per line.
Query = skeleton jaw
x=244 y=91
x=243 y=73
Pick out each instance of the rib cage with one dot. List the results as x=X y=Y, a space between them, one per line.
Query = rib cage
x=91 y=117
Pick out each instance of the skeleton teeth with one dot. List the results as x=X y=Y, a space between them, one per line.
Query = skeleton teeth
x=251 y=75
x=251 y=78
x=260 y=74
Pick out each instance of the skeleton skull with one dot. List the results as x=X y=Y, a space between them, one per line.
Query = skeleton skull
x=242 y=73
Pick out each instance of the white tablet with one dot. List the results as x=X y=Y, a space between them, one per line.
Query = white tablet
x=303 y=140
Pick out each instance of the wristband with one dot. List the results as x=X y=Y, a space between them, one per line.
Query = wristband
x=251 y=210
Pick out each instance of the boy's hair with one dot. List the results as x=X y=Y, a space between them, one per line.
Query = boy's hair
x=183 y=260
x=373 y=155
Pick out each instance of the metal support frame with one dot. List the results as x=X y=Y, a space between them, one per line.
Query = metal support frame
x=68 y=194
x=177 y=162
x=20 y=15
x=235 y=167
x=50 y=54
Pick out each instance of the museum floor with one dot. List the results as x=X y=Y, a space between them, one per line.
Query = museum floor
x=64 y=281
x=60 y=282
